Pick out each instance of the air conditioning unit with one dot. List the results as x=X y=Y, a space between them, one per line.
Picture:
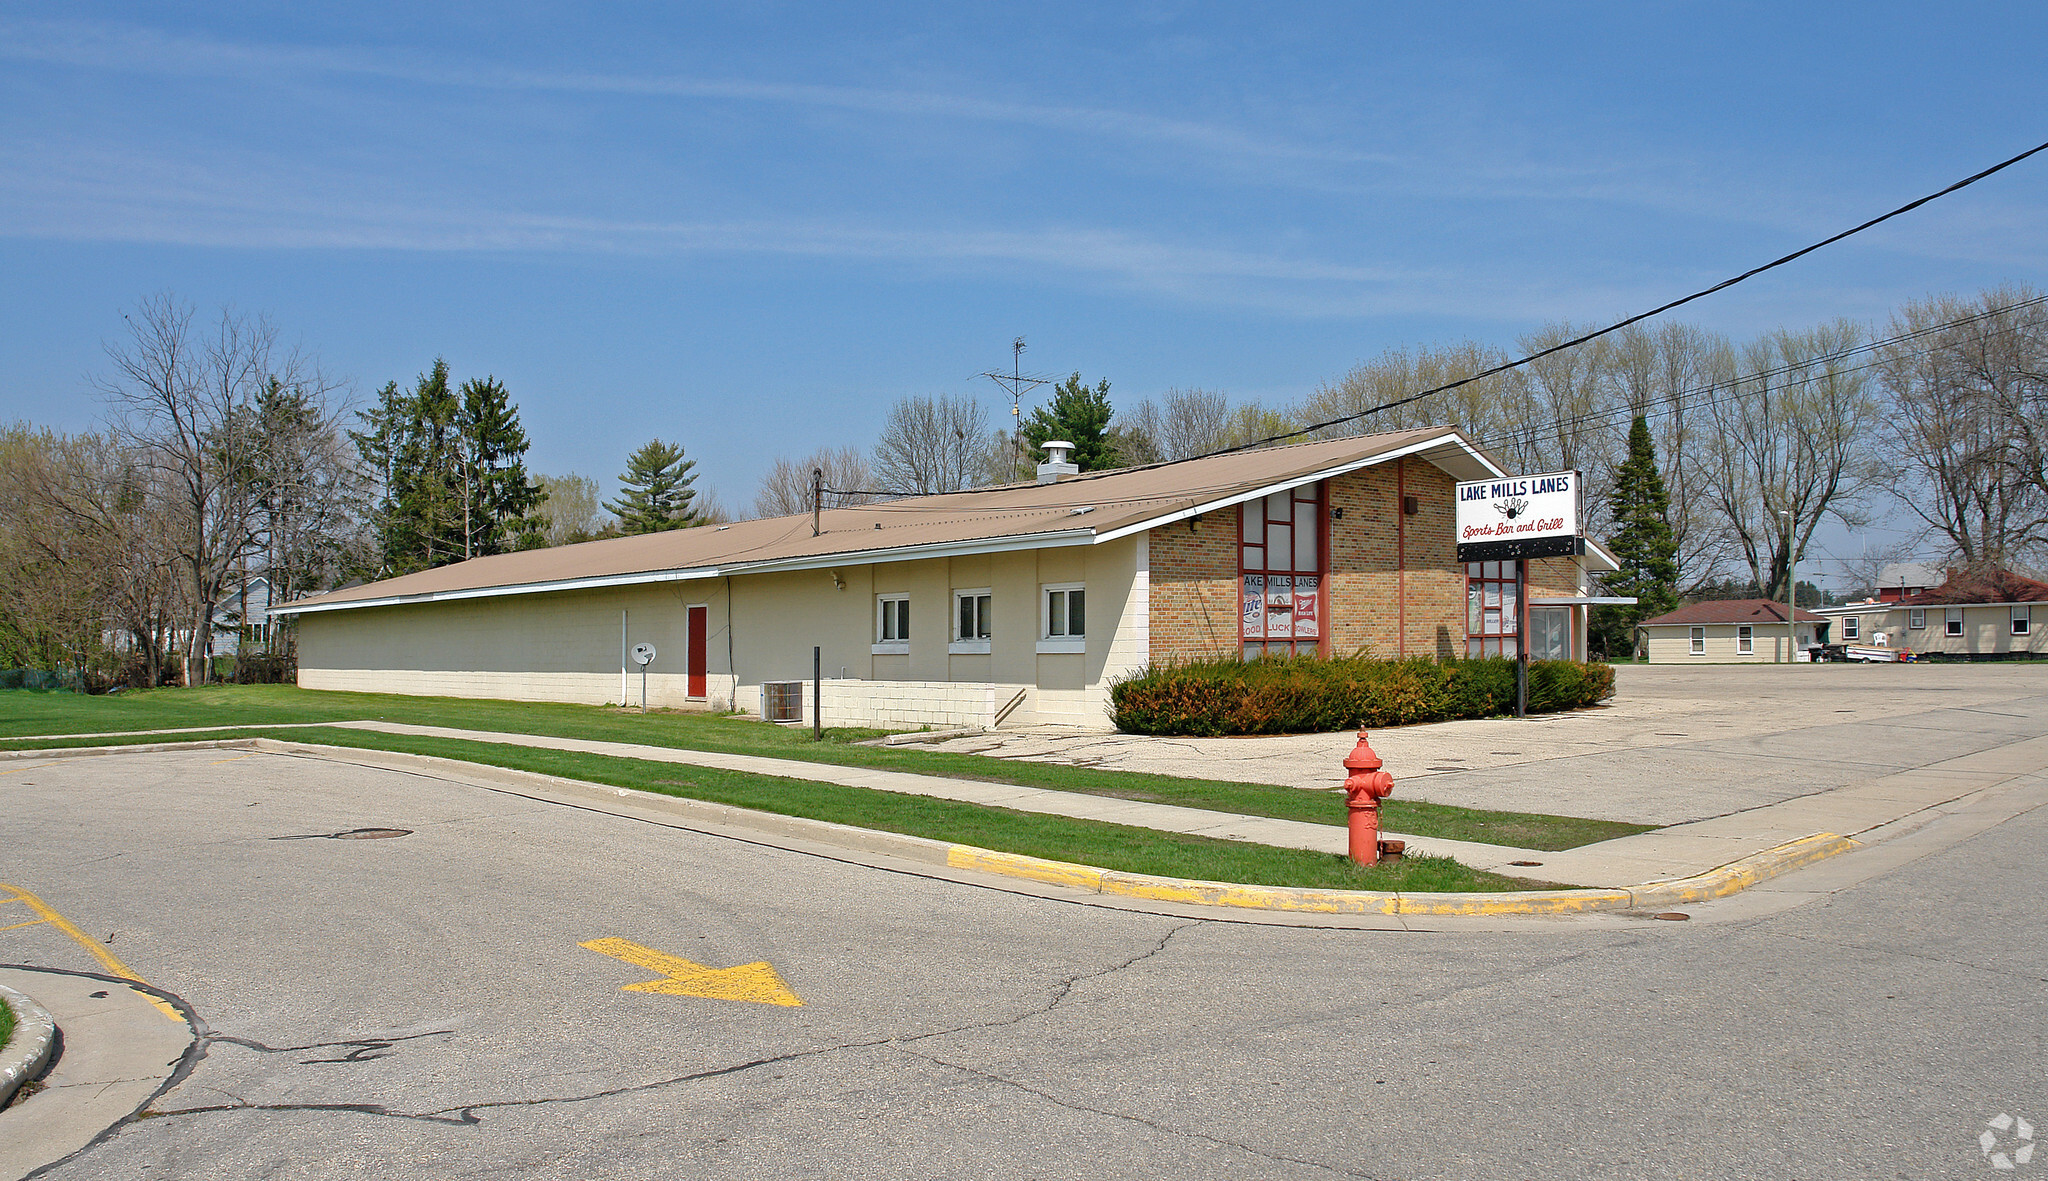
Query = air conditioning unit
x=782 y=701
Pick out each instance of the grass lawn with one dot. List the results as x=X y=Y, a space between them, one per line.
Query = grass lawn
x=6 y=1025
x=1087 y=842
x=225 y=706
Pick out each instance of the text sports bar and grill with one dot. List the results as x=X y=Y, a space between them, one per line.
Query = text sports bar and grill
x=1515 y=517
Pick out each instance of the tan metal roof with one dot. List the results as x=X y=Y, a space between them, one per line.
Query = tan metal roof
x=1083 y=510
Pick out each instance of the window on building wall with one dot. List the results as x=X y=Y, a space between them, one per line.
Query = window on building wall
x=1916 y=618
x=1063 y=618
x=892 y=623
x=1699 y=641
x=1550 y=633
x=1745 y=639
x=1952 y=623
x=971 y=620
x=1852 y=627
x=1492 y=608
x=2022 y=620
x=1281 y=568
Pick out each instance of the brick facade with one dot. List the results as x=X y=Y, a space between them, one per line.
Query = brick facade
x=1374 y=605
x=1194 y=587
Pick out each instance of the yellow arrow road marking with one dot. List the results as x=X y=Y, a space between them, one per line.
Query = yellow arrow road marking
x=757 y=982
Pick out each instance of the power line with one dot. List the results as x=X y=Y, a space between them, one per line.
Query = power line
x=1504 y=367
x=1641 y=316
x=1732 y=385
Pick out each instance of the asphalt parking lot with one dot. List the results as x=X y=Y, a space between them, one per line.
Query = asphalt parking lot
x=1676 y=743
x=425 y=1005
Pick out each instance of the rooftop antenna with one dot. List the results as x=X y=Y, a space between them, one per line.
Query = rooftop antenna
x=1015 y=382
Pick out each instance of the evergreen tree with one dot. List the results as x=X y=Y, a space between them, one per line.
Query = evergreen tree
x=655 y=491
x=501 y=506
x=1080 y=416
x=452 y=469
x=1642 y=542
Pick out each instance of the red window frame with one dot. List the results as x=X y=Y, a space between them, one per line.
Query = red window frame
x=1491 y=630
x=1308 y=508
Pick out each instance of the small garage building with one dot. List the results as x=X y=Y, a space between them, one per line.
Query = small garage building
x=1739 y=631
x=1017 y=603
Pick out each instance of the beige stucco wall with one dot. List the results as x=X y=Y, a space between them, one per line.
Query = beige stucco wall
x=565 y=646
x=557 y=647
x=1986 y=630
x=1672 y=643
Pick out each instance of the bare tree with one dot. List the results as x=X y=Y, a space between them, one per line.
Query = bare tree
x=1401 y=373
x=185 y=402
x=1665 y=375
x=1185 y=423
x=1791 y=443
x=574 y=505
x=85 y=552
x=932 y=445
x=1559 y=414
x=786 y=489
x=707 y=509
x=1960 y=408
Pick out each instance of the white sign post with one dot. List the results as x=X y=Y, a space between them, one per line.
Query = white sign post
x=1512 y=519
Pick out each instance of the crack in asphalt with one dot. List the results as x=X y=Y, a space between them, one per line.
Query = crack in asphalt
x=1059 y=997
x=366 y=1049
x=467 y=1114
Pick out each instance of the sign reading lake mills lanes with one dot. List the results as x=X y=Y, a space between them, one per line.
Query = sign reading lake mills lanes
x=1519 y=517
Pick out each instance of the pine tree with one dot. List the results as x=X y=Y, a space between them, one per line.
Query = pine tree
x=1080 y=416
x=655 y=491
x=452 y=469
x=501 y=504
x=1642 y=542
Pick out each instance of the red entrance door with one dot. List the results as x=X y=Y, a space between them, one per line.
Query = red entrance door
x=694 y=662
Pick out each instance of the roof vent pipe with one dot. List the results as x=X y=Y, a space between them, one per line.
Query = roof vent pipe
x=1056 y=467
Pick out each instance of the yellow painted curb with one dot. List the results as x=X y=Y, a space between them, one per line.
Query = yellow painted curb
x=1715 y=883
x=1744 y=873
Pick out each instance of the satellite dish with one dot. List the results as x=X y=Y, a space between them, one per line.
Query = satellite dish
x=643 y=654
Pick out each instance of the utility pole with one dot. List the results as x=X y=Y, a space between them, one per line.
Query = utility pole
x=1791 y=584
x=1015 y=382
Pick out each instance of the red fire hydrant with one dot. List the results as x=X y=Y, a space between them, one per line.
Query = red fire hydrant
x=1364 y=788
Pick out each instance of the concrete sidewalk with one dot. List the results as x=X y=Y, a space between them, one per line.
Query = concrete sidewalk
x=1872 y=753
x=1869 y=809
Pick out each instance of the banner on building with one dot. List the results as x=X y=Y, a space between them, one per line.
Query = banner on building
x=1307 y=620
x=1520 y=517
x=1254 y=607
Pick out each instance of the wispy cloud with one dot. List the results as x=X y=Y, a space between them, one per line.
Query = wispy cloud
x=251 y=202
x=133 y=49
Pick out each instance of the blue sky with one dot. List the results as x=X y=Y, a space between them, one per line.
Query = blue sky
x=751 y=228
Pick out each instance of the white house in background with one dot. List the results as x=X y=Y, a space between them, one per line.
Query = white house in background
x=1729 y=630
x=1022 y=602
x=1992 y=616
x=243 y=606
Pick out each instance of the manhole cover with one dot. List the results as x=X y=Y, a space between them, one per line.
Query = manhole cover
x=1672 y=916
x=370 y=834
x=1525 y=863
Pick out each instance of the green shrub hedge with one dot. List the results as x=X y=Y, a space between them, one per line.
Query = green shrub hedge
x=1308 y=694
